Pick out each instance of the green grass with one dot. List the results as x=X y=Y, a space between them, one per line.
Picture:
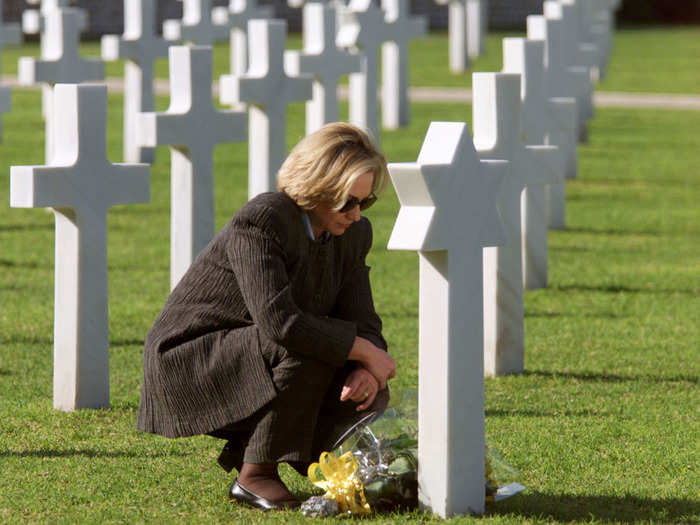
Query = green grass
x=602 y=426
x=655 y=60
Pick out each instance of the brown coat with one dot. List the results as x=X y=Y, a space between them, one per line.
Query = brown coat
x=261 y=281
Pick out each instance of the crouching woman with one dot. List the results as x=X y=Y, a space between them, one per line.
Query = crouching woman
x=270 y=341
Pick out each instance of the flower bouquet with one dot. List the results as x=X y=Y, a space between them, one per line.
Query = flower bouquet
x=376 y=466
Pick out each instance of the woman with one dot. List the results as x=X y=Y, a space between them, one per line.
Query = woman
x=271 y=340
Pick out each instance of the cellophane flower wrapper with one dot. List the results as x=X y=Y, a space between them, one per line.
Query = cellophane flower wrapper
x=386 y=451
x=498 y=472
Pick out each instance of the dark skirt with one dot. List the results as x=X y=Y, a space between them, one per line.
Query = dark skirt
x=305 y=418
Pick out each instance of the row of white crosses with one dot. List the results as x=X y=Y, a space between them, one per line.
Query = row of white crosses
x=524 y=138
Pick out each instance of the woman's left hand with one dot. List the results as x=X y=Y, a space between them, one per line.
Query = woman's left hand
x=361 y=387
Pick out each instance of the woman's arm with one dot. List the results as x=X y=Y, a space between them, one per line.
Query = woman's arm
x=354 y=301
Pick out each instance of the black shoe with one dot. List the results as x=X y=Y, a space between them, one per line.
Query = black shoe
x=239 y=493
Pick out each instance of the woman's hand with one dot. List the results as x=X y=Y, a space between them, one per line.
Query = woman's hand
x=377 y=362
x=360 y=386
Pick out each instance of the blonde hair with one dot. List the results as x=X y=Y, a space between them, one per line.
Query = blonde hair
x=324 y=165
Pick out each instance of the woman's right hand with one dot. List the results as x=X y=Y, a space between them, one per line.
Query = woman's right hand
x=375 y=360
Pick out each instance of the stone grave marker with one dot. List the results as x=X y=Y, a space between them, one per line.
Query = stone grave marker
x=564 y=79
x=542 y=123
x=140 y=46
x=600 y=19
x=267 y=89
x=324 y=60
x=32 y=19
x=560 y=81
x=467 y=27
x=197 y=25
x=80 y=185
x=496 y=111
x=477 y=21
x=564 y=136
x=192 y=127
x=60 y=62
x=448 y=214
x=457 y=34
x=10 y=34
x=362 y=26
x=369 y=28
x=581 y=49
x=236 y=17
x=400 y=29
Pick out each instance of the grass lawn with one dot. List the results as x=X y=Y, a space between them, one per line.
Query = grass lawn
x=654 y=60
x=602 y=426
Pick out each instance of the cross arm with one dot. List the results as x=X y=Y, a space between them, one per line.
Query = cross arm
x=130 y=184
x=40 y=187
x=546 y=162
x=162 y=129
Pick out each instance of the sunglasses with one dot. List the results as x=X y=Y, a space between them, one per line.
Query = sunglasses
x=354 y=201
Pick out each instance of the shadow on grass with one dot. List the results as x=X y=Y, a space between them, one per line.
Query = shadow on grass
x=88 y=453
x=619 y=509
x=612 y=378
x=619 y=288
x=126 y=342
x=25 y=227
x=4 y=372
x=6 y=263
x=499 y=412
x=611 y=231
x=554 y=315
x=21 y=339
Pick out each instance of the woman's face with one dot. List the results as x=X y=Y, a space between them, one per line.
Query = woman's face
x=324 y=219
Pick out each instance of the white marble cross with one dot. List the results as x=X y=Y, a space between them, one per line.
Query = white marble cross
x=560 y=81
x=60 y=62
x=579 y=46
x=496 y=111
x=564 y=79
x=467 y=26
x=140 y=46
x=80 y=184
x=10 y=34
x=192 y=127
x=196 y=26
x=457 y=34
x=267 y=89
x=324 y=60
x=541 y=124
x=600 y=19
x=448 y=214
x=367 y=27
x=362 y=26
x=477 y=21
x=236 y=18
x=400 y=29
x=33 y=22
